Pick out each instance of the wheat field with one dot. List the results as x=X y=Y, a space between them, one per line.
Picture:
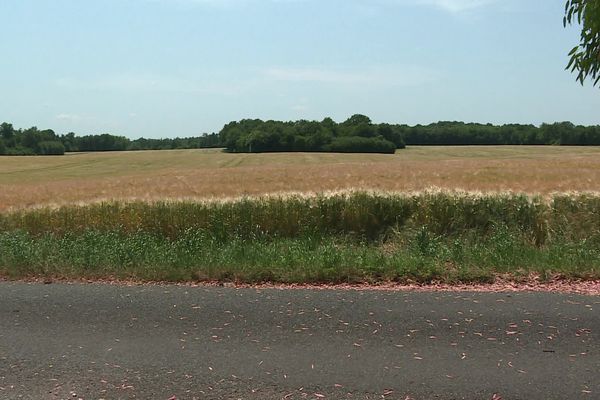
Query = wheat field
x=200 y=174
x=390 y=227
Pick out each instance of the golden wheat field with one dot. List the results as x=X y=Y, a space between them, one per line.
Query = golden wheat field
x=190 y=174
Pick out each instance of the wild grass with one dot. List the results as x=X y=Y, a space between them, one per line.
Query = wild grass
x=340 y=237
x=366 y=215
x=420 y=257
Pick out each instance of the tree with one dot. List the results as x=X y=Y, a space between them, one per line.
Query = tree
x=585 y=57
x=50 y=147
x=68 y=141
x=357 y=119
x=7 y=131
x=30 y=137
x=7 y=134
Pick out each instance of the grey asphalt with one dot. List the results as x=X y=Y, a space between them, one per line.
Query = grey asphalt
x=95 y=341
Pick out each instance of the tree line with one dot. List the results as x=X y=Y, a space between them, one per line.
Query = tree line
x=357 y=134
x=460 y=133
x=34 y=141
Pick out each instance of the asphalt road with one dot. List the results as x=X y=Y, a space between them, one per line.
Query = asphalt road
x=154 y=342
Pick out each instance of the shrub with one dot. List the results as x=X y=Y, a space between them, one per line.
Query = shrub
x=52 y=147
x=359 y=144
x=19 y=151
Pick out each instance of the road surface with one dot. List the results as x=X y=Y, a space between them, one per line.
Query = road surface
x=97 y=341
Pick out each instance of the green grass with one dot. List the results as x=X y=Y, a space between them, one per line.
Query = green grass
x=352 y=237
x=195 y=257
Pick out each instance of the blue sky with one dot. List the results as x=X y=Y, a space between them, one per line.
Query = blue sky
x=165 y=68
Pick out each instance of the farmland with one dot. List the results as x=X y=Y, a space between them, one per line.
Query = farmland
x=201 y=174
x=450 y=214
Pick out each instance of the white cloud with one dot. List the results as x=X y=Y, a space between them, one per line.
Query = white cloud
x=371 y=76
x=152 y=83
x=219 y=3
x=246 y=79
x=68 y=117
x=452 y=6
x=299 y=108
x=455 y=6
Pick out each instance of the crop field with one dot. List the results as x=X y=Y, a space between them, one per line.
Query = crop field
x=200 y=174
x=203 y=215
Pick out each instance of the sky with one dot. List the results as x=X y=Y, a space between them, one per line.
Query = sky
x=167 y=68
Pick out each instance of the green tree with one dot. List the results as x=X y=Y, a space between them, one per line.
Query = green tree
x=585 y=57
x=30 y=137
x=68 y=141
x=357 y=119
x=7 y=133
x=50 y=147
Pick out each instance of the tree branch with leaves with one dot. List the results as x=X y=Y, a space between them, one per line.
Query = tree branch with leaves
x=585 y=57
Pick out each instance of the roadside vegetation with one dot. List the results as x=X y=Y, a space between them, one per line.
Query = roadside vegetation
x=344 y=237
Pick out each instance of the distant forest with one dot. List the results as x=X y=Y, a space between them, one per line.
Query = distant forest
x=34 y=141
x=358 y=134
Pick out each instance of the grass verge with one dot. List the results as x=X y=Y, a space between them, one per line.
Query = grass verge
x=343 y=238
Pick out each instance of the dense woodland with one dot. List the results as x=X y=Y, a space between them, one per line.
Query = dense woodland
x=355 y=135
x=358 y=133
